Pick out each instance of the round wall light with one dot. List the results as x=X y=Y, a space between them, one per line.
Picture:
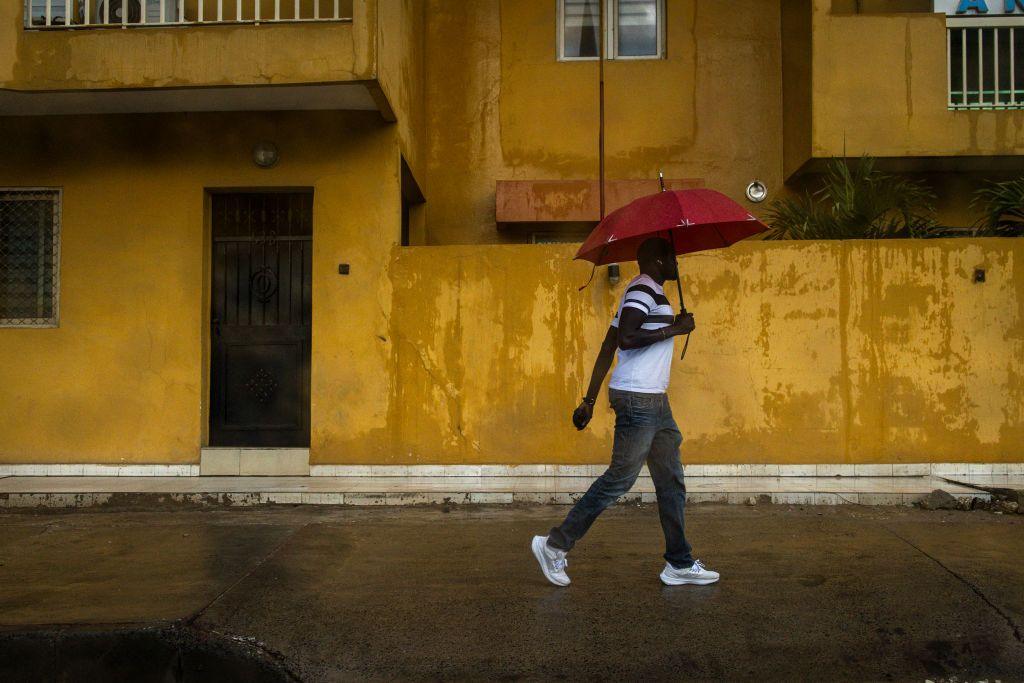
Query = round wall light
x=757 y=192
x=264 y=154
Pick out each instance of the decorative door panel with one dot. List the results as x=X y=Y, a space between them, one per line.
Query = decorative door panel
x=260 y=319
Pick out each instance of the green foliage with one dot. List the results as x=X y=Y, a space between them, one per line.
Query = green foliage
x=1002 y=207
x=855 y=201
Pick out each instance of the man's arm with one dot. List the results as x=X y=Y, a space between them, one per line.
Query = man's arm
x=633 y=336
x=628 y=335
x=581 y=416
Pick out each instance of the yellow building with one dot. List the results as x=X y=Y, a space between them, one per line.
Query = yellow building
x=312 y=226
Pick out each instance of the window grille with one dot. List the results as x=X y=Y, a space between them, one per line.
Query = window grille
x=986 y=64
x=29 y=257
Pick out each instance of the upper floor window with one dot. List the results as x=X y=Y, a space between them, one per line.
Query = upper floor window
x=634 y=29
x=29 y=257
x=986 y=63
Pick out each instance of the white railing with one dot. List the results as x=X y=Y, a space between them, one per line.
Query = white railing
x=985 y=63
x=58 y=14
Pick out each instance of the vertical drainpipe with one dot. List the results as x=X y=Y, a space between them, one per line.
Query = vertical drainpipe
x=600 y=71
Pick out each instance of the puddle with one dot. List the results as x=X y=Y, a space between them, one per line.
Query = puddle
x=171 y=654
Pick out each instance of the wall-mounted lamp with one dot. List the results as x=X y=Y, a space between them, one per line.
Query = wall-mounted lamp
x=613 y=273
x=264 y=154
x=757 y=192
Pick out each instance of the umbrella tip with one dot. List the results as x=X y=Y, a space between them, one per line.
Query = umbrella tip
x=661 y=180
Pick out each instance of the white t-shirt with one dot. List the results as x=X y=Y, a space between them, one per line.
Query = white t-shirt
x=646 y=370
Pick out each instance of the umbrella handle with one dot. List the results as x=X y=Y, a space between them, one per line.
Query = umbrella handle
x=679 y=287
x=682 y=309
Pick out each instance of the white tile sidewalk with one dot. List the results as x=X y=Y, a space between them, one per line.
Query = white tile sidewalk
x=692 y=470
x=56 y=491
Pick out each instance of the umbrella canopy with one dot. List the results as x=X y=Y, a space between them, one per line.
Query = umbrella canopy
x=692 y=220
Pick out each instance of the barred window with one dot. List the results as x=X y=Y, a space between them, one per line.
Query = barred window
x=29 y=257
x=986 y=63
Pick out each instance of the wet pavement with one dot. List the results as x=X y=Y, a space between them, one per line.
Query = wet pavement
x=812 y=593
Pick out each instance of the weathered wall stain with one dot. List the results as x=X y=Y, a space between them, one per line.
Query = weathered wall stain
x=805 y=352
x=519 y=114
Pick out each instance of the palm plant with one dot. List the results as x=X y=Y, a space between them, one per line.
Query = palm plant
x=855 y=201
x=1002 y=208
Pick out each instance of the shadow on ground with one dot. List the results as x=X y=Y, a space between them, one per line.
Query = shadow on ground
x=839 y=593
x=135 y=654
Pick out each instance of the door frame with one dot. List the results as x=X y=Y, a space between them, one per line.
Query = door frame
x=205 y=304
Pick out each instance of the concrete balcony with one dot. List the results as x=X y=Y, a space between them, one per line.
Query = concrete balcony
x=89 y=57
x=879 y=83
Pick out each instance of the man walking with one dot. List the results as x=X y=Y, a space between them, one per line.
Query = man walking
x=642 y=330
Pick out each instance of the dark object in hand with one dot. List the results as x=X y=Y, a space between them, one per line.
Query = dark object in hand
x=581 y=416
x=685 y=323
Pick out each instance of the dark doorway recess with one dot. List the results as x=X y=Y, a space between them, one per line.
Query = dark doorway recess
x=411 y=196
x=260 y=315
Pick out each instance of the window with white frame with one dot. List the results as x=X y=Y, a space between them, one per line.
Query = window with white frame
x=29 y=257
x=986 y=63
x=634 y=29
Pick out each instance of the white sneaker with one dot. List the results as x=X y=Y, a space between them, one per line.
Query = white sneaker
x=697 y=575
x=552 y=561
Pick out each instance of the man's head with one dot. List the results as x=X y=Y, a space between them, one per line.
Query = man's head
x=657 y=259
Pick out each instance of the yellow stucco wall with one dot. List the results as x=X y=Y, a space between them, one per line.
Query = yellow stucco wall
x=499 y=106
x=400 y=37
x=200 y=56
x=879 y=88
x=123 y=377
x=796 y=84
x=805 y=353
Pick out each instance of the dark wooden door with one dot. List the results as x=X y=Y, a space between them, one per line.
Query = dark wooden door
x=260 y=317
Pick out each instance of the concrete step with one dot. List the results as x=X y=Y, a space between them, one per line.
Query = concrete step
x=17 y=491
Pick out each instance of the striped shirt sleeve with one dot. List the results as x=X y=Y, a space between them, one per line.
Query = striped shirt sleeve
x=636 y=298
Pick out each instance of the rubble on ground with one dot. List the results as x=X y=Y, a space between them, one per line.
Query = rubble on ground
x=939 y=500
x=1011 y=502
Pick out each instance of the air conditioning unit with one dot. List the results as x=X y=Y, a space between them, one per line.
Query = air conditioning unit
x=134 y=10
x=116 y=11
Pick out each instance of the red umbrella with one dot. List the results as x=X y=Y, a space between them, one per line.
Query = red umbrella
x=692 y=220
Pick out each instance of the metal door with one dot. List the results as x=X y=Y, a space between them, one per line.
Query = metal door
x=260 y=319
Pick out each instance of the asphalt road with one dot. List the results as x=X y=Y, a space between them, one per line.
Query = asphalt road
x=828 y=593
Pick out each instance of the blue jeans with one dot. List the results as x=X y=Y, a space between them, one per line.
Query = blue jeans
x=644 y=430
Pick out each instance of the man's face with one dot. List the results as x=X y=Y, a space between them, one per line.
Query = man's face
x=670 y=268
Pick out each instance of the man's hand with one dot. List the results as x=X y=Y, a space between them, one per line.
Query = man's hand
x=684 y=324
x=581 y=416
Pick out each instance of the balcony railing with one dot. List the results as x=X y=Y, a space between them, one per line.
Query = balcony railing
x=986 y=63
x=72 y=14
